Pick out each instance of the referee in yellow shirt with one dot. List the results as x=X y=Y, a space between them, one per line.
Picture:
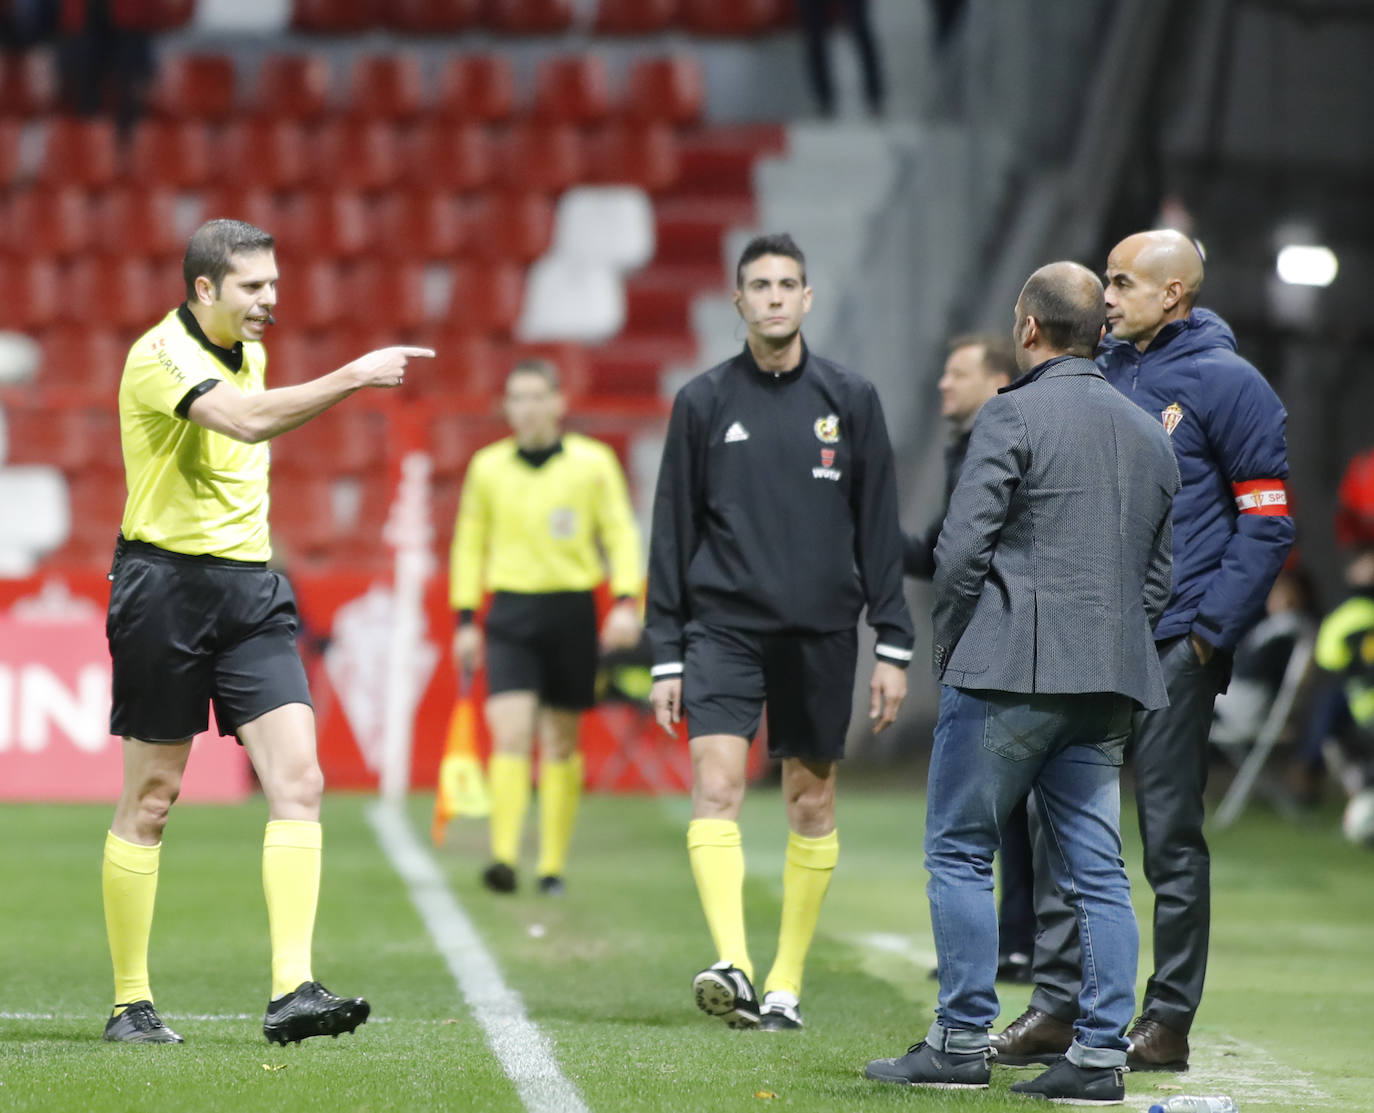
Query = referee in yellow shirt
x=196 y=617
x=540 y=512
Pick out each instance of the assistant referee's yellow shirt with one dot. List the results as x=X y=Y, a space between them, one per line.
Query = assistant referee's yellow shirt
x=529 y=529
x=191 y=490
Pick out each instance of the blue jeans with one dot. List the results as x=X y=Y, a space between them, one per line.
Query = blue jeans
x=991 y=749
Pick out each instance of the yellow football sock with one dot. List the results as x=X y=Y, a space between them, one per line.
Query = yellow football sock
x=560 y=791
x=509 y=777
x=291 y=851
x=805 y=878
x=128 y=883
x=717 y=858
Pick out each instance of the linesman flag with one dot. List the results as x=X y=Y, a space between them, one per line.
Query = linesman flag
x=462 y=786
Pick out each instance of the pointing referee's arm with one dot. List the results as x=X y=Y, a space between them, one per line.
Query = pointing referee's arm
x=251 y=418
x=467 y=565
x=672 y=541
x=619 y=538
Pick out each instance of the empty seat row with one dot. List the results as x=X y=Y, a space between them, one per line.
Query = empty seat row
x=372 y=156
x=575 y=89
x=535 y=17
x=40 y=230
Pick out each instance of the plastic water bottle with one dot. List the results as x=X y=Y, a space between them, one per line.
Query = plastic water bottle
x=1187 y=1103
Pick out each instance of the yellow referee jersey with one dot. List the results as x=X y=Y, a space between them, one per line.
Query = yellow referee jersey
x=529 y=529
x=191 y=490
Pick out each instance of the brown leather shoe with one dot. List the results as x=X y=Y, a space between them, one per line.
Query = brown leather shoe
x=1033 y=1037
x=1156 y=1046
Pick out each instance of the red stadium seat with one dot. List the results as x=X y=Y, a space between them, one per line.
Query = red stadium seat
x=466 y=370
x=9 y=150
x=530 y=17
x=31 y=292
x=291 y=359
x=645 y=155
x=635 y=17
x=389 y=86
x=140 y=222
x=732 y=17
x=256 y=206
x=271 y=154
x=432 y=15
x=293 y=86
x=333 y=16
x=426 y=225
x=82 y=363
x=194 y=86
x=302 y=510
x=452 y=441
x=485 y=298
x=354 y=154
x=335 y=224
x=665 y=89
x=123 y=293
x=177 y=154
x=151 y=15
x=516 y=226
x=449 y=154
x=79 y=152
x=54 y=221
x=476 y=87
x=311 y=297
x=545 y=158
x=344 y=440
x=28 y=83
x=58 y=437
x=573 y=90
x=387 y=295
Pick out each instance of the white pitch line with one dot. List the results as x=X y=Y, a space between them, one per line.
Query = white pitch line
x=522 y=1049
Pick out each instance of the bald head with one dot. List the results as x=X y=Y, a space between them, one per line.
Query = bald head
x=1059 y=312
x=1152 y=278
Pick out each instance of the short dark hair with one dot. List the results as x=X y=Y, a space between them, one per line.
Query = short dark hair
x=999 y=358
x=546 y=369
x=779 y=243
x=1070 y=319
x=212 y=247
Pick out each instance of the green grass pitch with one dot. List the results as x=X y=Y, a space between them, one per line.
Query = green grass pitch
x=604 y=972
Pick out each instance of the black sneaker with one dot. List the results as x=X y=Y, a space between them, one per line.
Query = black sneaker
x=1067 y=1084
x=922 y=1065
x=779 y=1013
x=723 y=990
x=499 y=878
x=551 y=885
x=311 y=1010
x=139 y=1023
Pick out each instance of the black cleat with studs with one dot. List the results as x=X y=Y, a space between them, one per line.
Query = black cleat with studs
x=311 y=1010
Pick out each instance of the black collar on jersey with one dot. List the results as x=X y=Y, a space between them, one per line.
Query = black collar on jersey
x=792 y=374
x=538 y=457
x=232 y=358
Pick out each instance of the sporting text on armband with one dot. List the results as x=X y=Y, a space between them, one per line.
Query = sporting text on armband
x=1261 y=496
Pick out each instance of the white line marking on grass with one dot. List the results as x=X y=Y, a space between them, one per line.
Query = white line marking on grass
x=523 y=1050
x=903 y=946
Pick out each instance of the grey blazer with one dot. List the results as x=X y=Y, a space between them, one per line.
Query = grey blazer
x=1053 y=564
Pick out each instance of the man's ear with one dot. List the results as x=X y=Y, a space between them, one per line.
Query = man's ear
x=1173 y=292
x=205 y=291
x=737 y=299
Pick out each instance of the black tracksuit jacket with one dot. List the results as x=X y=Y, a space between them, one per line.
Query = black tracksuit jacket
x=776 y=510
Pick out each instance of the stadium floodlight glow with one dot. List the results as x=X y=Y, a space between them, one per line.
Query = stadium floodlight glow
x=1307 y=265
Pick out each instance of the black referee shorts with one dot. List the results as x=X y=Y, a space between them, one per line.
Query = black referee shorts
x=188 y=630
x=806 y=680
x=543 y=642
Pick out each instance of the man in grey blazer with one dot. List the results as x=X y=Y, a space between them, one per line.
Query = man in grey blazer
x=1053 y=566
